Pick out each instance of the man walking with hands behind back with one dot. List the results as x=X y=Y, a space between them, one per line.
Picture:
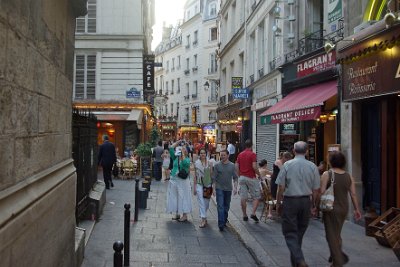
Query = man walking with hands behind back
x=298 y=184
x=246 y=167
x=107 y=158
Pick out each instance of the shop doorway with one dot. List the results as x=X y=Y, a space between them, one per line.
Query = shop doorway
x=371 y=154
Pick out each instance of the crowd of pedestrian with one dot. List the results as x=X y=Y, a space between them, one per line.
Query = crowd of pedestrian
x=294 y=183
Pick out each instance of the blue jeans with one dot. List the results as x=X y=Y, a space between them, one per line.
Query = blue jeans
x=223 y=205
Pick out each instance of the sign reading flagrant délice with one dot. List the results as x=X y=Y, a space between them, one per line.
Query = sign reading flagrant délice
x=296 y=115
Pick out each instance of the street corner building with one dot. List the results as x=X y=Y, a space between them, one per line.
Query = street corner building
x=37 y=178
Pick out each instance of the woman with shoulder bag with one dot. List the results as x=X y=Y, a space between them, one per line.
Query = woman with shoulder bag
x=202 y=185
x=343 y=185
x=179 y=198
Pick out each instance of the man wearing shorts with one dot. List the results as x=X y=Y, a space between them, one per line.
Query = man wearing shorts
x=246 y=167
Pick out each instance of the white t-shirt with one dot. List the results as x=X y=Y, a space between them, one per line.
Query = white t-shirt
x=231 y=149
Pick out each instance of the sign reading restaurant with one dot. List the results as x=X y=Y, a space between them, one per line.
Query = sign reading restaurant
x=296 y=115
x=316 y=64
x=378 y=74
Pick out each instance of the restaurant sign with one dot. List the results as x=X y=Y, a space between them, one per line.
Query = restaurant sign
x=148 y=74
x=305 y=114
x=378 y=74
x=316 y=64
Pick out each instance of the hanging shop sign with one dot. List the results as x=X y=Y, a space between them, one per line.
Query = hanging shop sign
x=240 y=93
x=296 y=115
x=209 y=128
x=189 y=129
x=148 y=75
x=377 y=74
x=316 y=64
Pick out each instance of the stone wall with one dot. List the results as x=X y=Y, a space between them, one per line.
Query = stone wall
x=37 y=178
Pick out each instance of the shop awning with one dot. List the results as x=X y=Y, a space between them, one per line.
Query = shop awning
x=111 y=117
x=302 y=104
x=136 y=115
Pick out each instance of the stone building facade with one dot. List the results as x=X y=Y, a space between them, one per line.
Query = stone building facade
x=37 y=178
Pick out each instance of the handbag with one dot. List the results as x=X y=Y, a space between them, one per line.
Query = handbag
x=207 y=190
x=328 y=197
x=182 y=173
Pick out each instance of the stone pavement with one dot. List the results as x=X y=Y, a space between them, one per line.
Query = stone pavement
x=267 y=244
x=156 y=240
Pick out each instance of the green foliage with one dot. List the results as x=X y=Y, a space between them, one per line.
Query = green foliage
x=154 y=136
x=144 y=149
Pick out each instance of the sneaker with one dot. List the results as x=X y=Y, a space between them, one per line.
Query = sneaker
x=254 y=217
x=245 y=218
x=221 y=228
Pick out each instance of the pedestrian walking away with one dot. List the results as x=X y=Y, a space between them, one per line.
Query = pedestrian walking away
x=298 y=186
x=179 y=197
x=107 y=158
x=202 y=179
x=223 y=174
x=343 y=185
x=246 y=167
x=158 y=160
x=231 y=150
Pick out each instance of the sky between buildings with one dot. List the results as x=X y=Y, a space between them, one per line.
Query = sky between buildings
x=168 y=11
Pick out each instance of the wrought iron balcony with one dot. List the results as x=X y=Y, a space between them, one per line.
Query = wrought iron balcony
x=194 y=96
x=187 y=72
x=186 y=97
x=252 y=78
x=260 y=72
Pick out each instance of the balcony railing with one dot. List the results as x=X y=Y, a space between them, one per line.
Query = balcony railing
x=187 y=72
x=186 y=120
x=194 y=96
x=260 y=72
x=195 y=69
x=186 y=97
x=195 y=42
x=251 y=78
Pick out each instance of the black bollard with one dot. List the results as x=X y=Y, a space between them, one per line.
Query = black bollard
x=118 y=247
x=126 y=233
x=136 y=199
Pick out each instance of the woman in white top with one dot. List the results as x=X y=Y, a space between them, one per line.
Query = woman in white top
x=165 y=165
x=202 y=178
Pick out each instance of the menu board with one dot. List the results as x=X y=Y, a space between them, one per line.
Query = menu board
x=145 y=166
x=312 y=150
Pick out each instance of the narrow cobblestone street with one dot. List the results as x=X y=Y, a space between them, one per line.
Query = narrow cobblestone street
x=156 y=240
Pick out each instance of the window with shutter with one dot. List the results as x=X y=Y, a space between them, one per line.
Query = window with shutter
x=85 y=77
x=87 y=24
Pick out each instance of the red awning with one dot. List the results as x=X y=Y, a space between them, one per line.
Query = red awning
x=302 y=104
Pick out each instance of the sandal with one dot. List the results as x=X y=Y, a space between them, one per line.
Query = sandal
x=203 y=224
x=183 y=219
x=176 y=218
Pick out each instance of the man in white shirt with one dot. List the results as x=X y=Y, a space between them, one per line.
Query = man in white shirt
x=231 y=150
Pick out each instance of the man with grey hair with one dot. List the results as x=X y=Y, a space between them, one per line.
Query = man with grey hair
x=298 y=186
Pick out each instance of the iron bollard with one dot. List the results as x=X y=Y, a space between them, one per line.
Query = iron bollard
x=136 y=199
x=127 y=207
x=118 y=247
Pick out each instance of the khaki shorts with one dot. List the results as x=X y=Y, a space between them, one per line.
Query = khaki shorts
x=249 y=185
